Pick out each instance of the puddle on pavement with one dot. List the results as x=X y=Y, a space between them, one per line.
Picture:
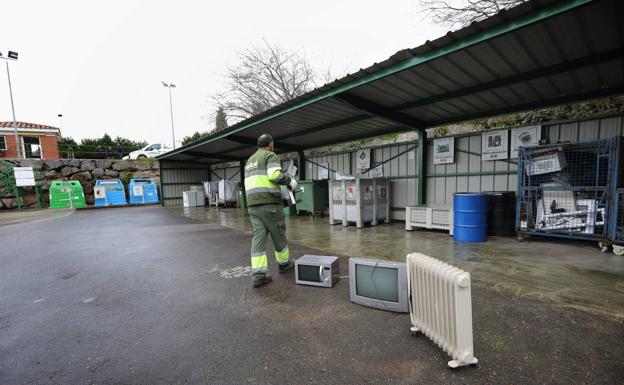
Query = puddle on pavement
x=574 y=274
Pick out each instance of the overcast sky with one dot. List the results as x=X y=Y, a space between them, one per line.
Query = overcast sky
x=100 y=64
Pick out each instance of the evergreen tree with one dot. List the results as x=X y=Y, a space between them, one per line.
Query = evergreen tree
x=220 y=120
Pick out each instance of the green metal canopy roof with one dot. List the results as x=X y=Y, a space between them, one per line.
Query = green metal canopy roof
x=541 y=53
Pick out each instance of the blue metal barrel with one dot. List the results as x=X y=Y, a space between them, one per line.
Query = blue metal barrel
x=470 y=217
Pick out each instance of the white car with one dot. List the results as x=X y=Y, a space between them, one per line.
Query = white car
x=150 y=151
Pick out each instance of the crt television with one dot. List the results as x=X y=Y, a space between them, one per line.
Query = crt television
x=378 y=283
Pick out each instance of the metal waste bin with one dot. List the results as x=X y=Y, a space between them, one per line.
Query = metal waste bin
x=312 y=196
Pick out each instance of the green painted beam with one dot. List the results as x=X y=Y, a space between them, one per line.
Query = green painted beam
x=533 y=105
x=326 y=126
x=518 y=78
x=254 y=142
x=391 y=130
x=457 y=45
x=420 y=164
x=302 y=165
x=481 y=173
x=379 y=110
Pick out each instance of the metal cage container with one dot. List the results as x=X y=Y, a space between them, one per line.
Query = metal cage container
x=359 y=201
x=568 y=190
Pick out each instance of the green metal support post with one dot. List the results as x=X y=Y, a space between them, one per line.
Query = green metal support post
x=242 y=183
x=302 y=166
x=162 y=198
x=422 y=145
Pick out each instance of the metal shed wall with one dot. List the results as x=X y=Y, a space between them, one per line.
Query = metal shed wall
x=399 y=162
x=227 y=171
x=179 y=176
x=470 y=173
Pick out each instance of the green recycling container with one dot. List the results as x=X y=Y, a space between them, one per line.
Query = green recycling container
x=242 y=199
x=289 y=211
x=66 y=194
x=312 y=196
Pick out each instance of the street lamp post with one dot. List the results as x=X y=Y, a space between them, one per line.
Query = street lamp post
x=60 y=116
x=12 y=56
x=170 y=86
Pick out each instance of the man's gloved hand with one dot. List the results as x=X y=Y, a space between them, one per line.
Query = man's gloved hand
x=292 y=185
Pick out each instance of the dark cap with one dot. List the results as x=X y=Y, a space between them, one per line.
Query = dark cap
x=264 y=140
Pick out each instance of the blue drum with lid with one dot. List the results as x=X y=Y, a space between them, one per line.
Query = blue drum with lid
x=470 y=217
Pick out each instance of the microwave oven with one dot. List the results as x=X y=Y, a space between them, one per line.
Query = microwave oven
x=317 y=270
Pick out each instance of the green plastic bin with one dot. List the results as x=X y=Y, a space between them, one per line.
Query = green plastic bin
x=289 y=211
x=66 y=194
x=242 y=199
x=312 y=196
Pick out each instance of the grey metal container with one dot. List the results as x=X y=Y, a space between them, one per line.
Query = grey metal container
x=359 y=201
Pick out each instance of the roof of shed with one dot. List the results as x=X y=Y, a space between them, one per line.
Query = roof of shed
x=541 y=53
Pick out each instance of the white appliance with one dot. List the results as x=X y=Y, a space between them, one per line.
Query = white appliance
x=317 y=270
x=189 y=198
x=440 y=218
x=441 y=306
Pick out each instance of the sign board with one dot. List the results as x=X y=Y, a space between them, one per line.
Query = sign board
x=323 y=172
x=99 y=192
x=444 y=150
x=495 y=145
x=137 y=190
x=376 y=171
x=24 y=176
x=524 y=136
x=363 y=159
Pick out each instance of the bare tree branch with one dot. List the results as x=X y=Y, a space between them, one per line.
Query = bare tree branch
x=460 y=13
x=265 y=77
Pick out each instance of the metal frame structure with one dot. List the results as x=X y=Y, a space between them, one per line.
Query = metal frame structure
x=540 y=53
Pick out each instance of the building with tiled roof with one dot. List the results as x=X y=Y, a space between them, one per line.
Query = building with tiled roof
x=35 y=140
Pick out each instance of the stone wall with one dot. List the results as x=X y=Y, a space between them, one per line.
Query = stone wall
x=84 y=170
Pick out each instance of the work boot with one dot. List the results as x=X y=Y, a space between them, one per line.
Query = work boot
x=282 y=268
x=262 y=281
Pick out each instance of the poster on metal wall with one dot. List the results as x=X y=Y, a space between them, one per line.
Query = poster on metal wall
x=363 y=159
x=444 y=151
x=524 y=136
x=495 y=145
x=323 y=172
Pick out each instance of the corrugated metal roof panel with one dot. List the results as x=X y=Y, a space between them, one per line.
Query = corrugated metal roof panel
x=542 y=52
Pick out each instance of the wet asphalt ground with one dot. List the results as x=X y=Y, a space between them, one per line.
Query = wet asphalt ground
x=142 y=296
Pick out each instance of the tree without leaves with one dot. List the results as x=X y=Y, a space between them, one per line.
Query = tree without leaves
x=460 y=13
x=265 y=77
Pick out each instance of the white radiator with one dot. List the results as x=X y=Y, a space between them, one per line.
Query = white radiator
x=441 y=307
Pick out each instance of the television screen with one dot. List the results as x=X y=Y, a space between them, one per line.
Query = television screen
x=377 y=282
x=309 y=273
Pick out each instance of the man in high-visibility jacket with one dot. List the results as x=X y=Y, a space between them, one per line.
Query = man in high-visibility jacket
x=263 y=177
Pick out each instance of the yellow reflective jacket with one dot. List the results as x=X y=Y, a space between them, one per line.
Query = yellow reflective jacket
x=263 y=175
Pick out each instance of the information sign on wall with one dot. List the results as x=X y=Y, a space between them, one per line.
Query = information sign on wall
x=524 y=136
x=363 y=159
x=323 y=172
x=24 y=176
x=444 y=150
x=495 y=145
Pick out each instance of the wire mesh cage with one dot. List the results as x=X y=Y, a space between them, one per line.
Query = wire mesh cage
x=618 y=227
x=567 y=189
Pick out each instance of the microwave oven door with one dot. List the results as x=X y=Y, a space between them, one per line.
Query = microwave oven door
x=315 y=275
